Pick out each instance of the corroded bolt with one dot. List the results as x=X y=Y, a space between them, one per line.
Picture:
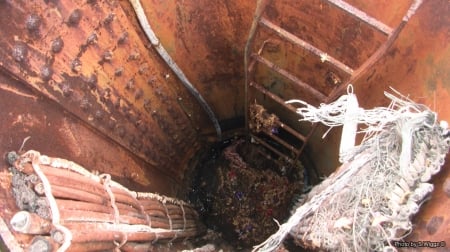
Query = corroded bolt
x=84 y=104
x=92 y=81
x=123 y=38
x=92 y=39
x=46 y=72
x=108 y=20
x=57 y=45
x=446 y=187
x=74 y=18
x=121 y=131
x=66 y=90
x=98 y=115
x=434 y=223
x=107 y=56
x=76 y=65
x=118 y=72
x=111 y=124
x=20 y=51
x=134 y=56
x=130 y=84
x=33 y=22
x=138 y=94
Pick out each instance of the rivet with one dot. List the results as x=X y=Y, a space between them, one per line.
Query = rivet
x=107 y=56
x=75 y=17
x=57 y=45
x=92 y=39
x=122 y=38
x=446 y=187
x=138 y=94
x=84 y=104
x=66 y=90
x=20 y=51
x=111 y=124
x=92 y=81
x=147 y=103
x=151 y=81
x=118 y=72
x=107 y=21
x=76 y=65
x=121 y=131
x=130 y=84
x=137 y=144
x=433 y=224
x=332 y=79
x=143 y=68
x=46 y=72
x=133 y=56
x=98 y=115
x=33 y=22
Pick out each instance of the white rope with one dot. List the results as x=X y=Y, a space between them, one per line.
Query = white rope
x=371 y=199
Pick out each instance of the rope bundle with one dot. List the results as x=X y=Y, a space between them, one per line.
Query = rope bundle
x=66 y=207
x=370 y=200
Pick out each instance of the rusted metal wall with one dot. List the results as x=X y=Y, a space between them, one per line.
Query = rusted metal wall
x=207 y=41
x=418 y=65
x=83 y=81
x=87 y=58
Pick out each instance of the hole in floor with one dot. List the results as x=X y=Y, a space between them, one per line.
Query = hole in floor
x=239 y=188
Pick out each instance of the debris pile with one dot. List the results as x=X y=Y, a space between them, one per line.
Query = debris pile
x=246 y=191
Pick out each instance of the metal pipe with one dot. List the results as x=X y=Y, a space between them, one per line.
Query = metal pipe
x=178 y=72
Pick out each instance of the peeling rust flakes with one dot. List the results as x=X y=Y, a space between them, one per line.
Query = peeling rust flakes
x=74 y=18
x=20 y=51
x=57 y=45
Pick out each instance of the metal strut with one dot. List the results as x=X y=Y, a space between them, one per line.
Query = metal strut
x=178 y=72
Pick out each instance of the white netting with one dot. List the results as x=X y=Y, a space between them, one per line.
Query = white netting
x=370 y=200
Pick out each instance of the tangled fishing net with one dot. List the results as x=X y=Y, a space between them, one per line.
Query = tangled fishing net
x=369 y=201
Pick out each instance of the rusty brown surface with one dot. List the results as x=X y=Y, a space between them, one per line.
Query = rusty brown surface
x=88 y=58
x=207 y=41
x=136 y=121
x=418 y=66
